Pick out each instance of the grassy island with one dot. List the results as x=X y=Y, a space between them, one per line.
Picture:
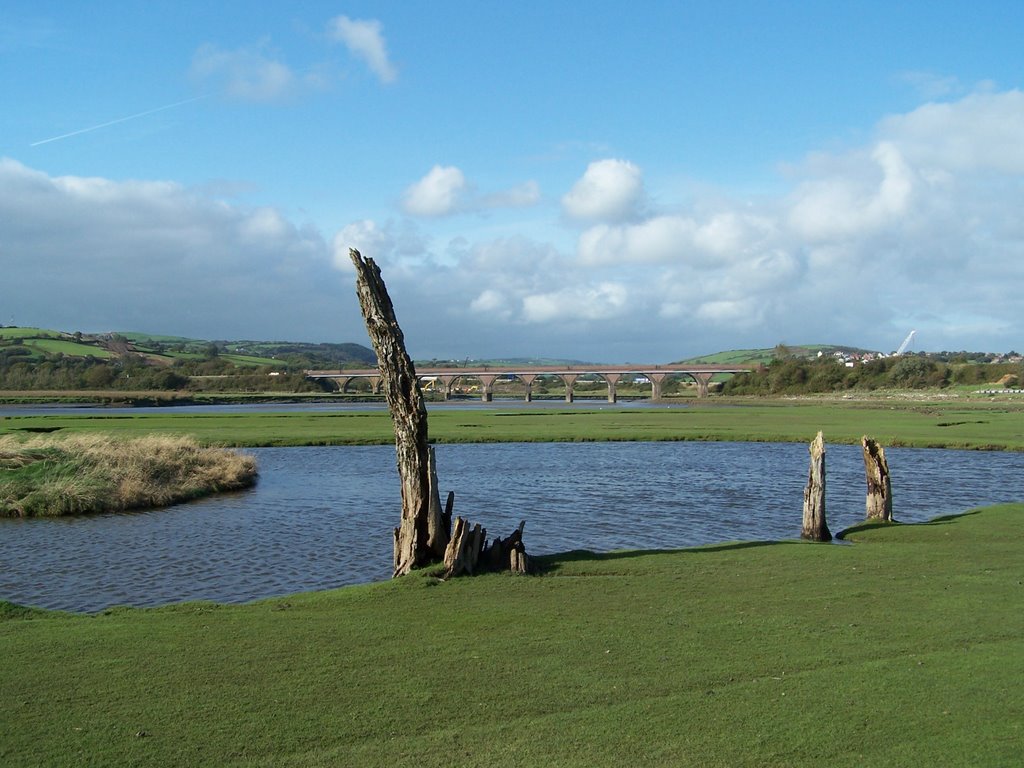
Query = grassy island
x=904 y=649
x=46 y=475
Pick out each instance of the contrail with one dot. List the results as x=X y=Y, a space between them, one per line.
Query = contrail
x=119 y=120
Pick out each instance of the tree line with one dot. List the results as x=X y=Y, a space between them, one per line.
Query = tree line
x=792 y=375
x=134 y=373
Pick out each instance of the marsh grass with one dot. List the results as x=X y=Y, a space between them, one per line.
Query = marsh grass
x=92 y=472
x=961 y=425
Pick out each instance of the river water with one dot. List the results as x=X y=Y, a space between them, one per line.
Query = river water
x=322 y=517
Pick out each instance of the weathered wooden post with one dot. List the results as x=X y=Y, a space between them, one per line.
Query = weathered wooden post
x=421 y=537
x=814 y=526
x=879 y=497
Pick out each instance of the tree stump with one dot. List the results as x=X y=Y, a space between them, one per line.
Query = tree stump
x=421 y=537
x=469 y=553
x=879 y=497
x=814 y=526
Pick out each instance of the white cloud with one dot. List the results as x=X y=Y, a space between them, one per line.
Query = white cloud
x=145 y=255
x=847 y=204
x=981 y=132
x=658 y=239
x=727 y=233
x=601 y=302
x=365 y=40
x=444 y=191
x=491 y=302
x=675 y=238
x=244 y=74
x=609 y=190
x=264 y=225
x=436 y=194
x=366 y=237
x=257 y=73
x=739 y=313
x=380 y=242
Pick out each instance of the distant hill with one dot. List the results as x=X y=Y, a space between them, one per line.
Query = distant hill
x=739 y=356
x=36 y=343
x=497 y=362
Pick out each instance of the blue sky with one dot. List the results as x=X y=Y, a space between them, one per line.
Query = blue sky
x=602 y=181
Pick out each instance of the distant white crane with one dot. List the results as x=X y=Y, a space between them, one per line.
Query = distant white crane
x=906 y=343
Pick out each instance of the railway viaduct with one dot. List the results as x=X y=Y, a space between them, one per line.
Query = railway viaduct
x=448 y=378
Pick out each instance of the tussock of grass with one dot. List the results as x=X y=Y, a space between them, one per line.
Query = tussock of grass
x=88 y=473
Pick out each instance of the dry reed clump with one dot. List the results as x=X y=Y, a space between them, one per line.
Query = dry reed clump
x=16 y=452
x=96 y=473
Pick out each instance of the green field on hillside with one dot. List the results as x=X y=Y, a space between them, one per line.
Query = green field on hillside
x=67 y=347
x=164 y=349
x=765 y=356
x=253 y=361
x=49 y=342
x=734 y=357
x=28 y=333
x=904 y=649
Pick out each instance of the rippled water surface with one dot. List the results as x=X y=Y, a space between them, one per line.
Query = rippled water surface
x=322 y=517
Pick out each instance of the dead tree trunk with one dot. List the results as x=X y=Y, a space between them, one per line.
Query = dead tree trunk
x=425 y=534
x=879 y=497
x=421 y=537
x=814 y=526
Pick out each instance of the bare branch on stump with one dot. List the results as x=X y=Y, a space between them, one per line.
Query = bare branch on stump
x=879 y=496
x=420 y=538
x=814 y=526
x=438 y=528
x=446 y=516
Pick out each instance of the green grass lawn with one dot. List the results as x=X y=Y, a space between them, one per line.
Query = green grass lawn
x=904 y=649
x=960 y=424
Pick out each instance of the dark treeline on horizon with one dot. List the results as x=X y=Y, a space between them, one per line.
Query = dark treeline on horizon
x=134 y=373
